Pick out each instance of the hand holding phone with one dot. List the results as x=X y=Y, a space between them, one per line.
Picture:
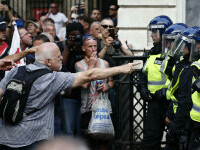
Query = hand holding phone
x=80 y=10
x=112 y=33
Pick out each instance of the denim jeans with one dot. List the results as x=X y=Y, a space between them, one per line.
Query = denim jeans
x=70 y=116
x=57 y=125
x=57 y=119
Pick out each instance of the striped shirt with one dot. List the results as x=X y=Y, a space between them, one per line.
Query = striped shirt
x=39 y=125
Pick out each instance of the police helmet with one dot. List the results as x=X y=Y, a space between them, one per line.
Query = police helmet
x=160 y=22
x=196 y=54
x=169 y=36
x=185 y=38
x=197 y=35
x=158 y=25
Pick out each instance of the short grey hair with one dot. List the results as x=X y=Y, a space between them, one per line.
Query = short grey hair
x=40 y=57
x=96 y=22
x=107 y=19
x=44 y=53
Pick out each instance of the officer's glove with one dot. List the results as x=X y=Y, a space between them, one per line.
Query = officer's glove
x=196 y=86
x=183 y=142
x=170 y=65
x=161 y=94
x=168 y=72
x=145 y=95
x=171 y=138
x=172 y=60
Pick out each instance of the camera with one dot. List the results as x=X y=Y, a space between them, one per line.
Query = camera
x=78 y=40
x=116 y=43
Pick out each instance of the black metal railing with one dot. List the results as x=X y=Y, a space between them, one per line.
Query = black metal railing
x=130 y=109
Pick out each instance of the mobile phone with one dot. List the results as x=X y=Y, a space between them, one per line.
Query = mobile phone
x=112 y=33
x=80 y=11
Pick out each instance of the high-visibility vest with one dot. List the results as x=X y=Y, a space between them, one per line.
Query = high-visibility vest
x=156 y=79
x=195 y=112
x=168 y=82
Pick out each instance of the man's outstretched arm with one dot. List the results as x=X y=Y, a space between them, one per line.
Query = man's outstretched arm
x=99 y=73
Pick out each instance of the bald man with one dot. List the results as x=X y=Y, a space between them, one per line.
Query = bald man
x=39 y=126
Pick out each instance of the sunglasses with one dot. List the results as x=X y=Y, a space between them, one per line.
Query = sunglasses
x=89 y=38
x=72 y=21
x=71 y=38
x=106 y=26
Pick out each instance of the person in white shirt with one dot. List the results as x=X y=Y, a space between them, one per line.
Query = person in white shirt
x=58 y=17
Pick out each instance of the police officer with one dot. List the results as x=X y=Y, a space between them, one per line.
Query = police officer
x=181 y=52
x=194 y=143
x=150 y=81
x=168 y=39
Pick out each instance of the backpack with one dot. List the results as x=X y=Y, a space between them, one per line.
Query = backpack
x=16 y=94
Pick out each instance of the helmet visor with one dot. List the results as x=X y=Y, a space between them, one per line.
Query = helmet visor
x=195 y=53
x=182 y=46
x=167 y=43
x=153 y=35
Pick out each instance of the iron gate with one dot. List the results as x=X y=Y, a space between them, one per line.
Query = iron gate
x=130 y=108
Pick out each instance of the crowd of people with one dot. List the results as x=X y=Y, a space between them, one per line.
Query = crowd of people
x=78 y=50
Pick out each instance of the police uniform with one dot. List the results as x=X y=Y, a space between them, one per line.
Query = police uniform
x=150 y=81
x=180 y=92
x=153 y=80
x=178 y=130
x=194 y=143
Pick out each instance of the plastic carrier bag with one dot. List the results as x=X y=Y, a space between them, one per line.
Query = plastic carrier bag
x=100 y=125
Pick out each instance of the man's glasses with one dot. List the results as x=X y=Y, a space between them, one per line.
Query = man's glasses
x=106 y=26
x=72 y=21
x=89 y=38
x=76 y=38
x=71 y=38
